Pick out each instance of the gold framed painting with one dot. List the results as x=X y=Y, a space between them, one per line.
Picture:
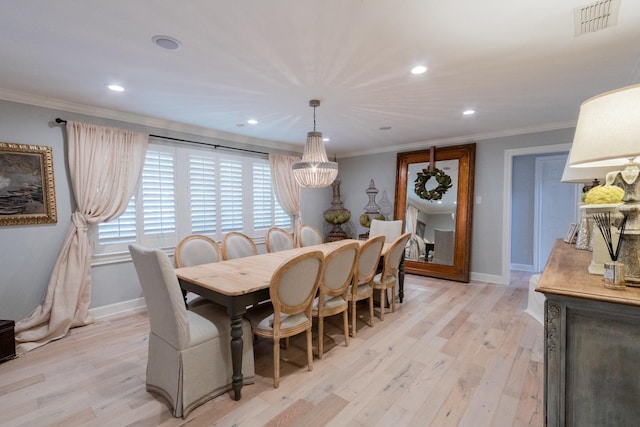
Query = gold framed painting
x=27 y=192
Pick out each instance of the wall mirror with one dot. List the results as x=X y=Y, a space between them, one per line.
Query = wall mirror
x=440 y=221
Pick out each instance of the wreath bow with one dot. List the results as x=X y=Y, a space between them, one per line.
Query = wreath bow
x=443 y=180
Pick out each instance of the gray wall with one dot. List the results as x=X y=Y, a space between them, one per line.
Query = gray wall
x=29 y=252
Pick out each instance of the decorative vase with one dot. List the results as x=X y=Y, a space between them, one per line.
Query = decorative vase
x=336 y=215
x=371 y=210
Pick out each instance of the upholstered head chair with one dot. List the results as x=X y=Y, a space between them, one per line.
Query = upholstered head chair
x=443 y=242
x=278 y=239
x=189 y=358
x=388 y=278
x=238 y=245
x=391 y=230
x=362 y=287
x=339 y=266
x=292 y=290
x=196 y=249
x=308 y=235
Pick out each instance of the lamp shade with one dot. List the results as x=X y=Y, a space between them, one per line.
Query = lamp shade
x=608 y=129
x=315 y=170
x=585 y=175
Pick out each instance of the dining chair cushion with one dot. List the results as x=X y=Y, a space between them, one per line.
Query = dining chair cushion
x=286 y=321
x=363 y=289
x=330 y=302
x=195 y=250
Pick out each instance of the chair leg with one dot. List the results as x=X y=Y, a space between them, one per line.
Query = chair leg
x=345 y=317
x=353 y=317
x=383 y=294
x=309 y=349
x=276 y=362
x=371 y=310
x=393 y=299
x=320 y=336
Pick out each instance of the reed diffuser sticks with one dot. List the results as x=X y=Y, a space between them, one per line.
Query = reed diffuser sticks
x=603 y=221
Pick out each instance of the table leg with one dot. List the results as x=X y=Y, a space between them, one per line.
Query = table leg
x=401 y=280
x=236 y=355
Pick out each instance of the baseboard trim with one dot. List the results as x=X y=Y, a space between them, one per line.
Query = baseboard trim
x=489 y=278
x=118 y=308
x=522 y=267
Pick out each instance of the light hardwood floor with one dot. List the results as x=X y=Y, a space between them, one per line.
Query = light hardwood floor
x=452 y=354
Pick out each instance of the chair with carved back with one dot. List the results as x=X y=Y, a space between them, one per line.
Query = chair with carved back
x=388 y=278
x=339 y=266
x=362 y=285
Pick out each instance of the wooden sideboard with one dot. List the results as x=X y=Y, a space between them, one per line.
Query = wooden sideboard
x=592 y=345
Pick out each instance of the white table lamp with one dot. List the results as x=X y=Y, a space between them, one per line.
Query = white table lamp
x=608 y=134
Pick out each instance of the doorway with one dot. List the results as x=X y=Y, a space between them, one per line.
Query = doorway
x=555 y=206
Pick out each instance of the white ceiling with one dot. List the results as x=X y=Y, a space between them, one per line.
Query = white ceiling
x=517 y=63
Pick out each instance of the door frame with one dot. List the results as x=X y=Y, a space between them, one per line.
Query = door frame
x=506 y=207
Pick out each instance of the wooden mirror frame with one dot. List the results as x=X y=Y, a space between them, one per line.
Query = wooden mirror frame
x=466 y=155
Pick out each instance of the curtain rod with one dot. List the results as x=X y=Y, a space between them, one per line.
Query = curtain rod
x=62 y=121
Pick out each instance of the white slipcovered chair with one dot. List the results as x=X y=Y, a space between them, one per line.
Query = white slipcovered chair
x=238 y=245
x=278 y=239
x=292 y=289
x=388 y=278
x=443 y=242
x=391 y=230
x=189 y=359
x=339 y=266
x=308 y=235
x=362 y=286
x=196 y=249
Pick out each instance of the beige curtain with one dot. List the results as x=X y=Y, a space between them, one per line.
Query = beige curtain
x=285 y=186
x=105 y=166
x=410 y=225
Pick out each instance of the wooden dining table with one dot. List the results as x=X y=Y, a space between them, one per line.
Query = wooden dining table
x=242 y=282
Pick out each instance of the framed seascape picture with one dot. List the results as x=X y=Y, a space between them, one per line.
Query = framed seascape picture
x=27 y=193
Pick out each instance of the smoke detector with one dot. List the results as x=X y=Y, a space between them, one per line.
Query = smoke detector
x=597 y=16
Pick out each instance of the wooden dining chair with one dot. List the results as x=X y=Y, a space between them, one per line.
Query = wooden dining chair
x=388 y=278
x=362 y=285
x=292 y=290
x=339 y=266
x=238 y=245
x=196 y=249
x=308 y=235
x=189 y=358
x=278 y=239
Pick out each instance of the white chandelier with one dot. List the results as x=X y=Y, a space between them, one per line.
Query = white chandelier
x=315 y=170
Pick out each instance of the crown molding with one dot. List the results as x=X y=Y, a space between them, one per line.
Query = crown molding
x=462 y=139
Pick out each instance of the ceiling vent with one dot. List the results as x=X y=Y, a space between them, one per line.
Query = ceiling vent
x=594 y=17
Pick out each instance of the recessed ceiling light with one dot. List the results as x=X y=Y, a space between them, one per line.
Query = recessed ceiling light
x=115 y=88
x=419 y=69
x=166 y=42
x=252 y=121
x=469 y=112
x=326 y=139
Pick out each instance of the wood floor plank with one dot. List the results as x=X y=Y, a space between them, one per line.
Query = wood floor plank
x=452 y=354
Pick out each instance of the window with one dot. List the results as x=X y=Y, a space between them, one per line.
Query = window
x=223 y=192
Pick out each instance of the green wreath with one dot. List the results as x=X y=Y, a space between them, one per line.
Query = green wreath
x=443 y=180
